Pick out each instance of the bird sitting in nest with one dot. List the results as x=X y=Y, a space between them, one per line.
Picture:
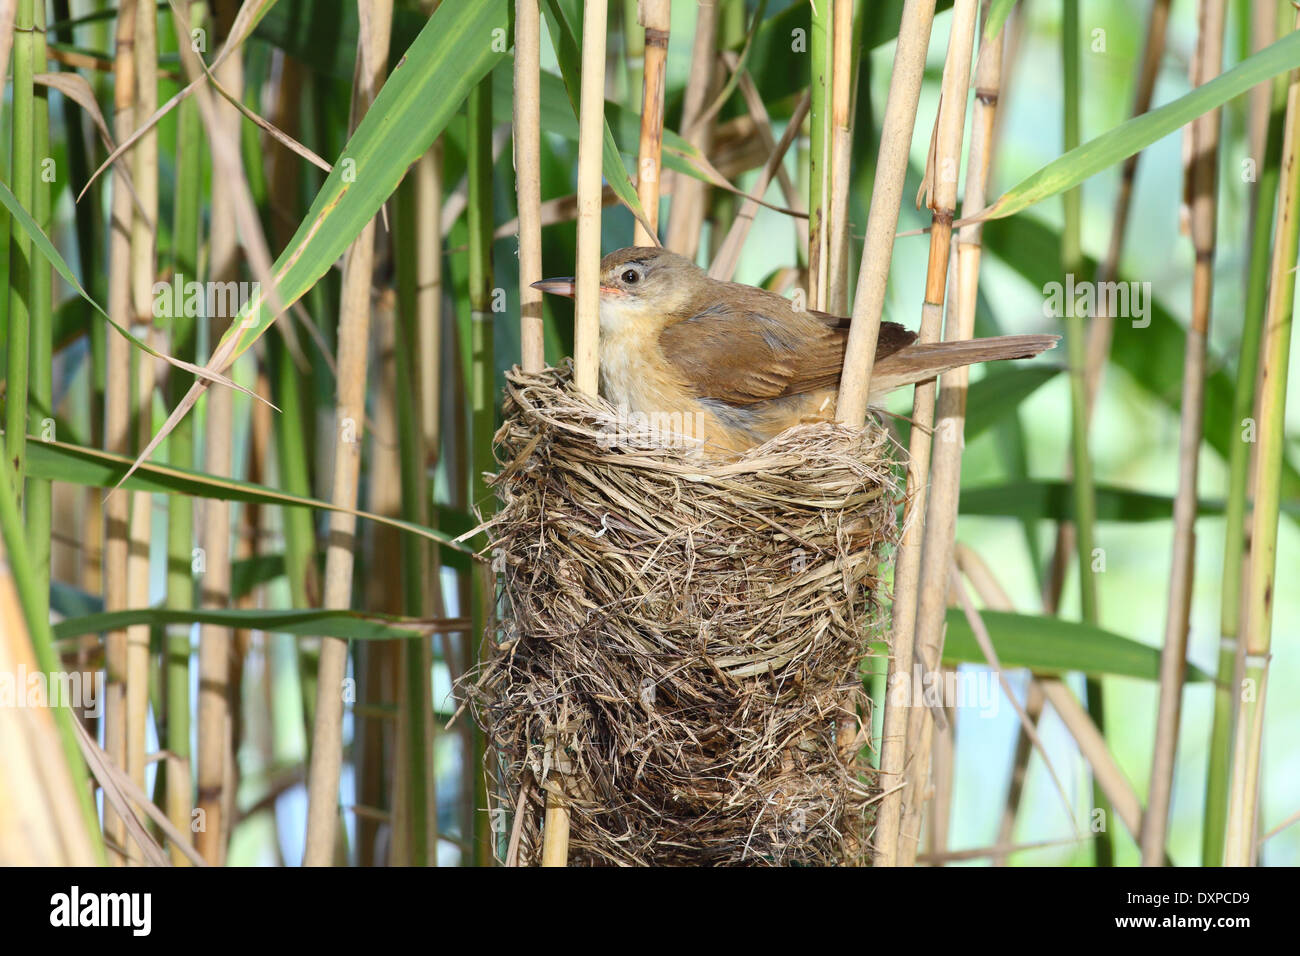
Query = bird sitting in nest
x=730 y=365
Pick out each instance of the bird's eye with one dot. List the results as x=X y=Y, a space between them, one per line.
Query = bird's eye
x=630 y=276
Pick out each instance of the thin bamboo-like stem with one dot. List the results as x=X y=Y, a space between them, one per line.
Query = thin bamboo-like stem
x=821 y=82
x=1203 y=181
x=428 y=199
x=528 y=179
x=590 y=140
x=894 y=843
x=655 y=17
x=353 y=345
x=24 y=175
x=117 y=414
x=950 y=415
x=214 y=703
x=377 y=662
x=724 y=264
x=423 y=326
x=836 y=233
x=882 y=222
x=180 y=508
x=555 y=845
x=690 y=195
x=1218 y=767
x=1085 y=505
x=39 y=493
x=482 y=418
x=417 y=598
x=144 y=173
x=1240 y=847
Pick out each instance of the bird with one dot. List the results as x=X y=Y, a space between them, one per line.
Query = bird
x=731 y=366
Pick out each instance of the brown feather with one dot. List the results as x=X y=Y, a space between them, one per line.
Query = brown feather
x=752 y=346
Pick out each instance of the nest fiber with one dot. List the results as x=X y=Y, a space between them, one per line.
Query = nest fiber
x=678 y=661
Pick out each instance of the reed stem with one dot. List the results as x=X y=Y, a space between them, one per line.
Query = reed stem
x=1085 y=513
x=23 y=173
x=1236 y=524
x=144 y=173
x=821 y=80
x=353 y=348
x=1202 y=175
x=655 y=16
x=482 y=416
x=528 y=179
x=181 y=452
x=39 y=493
x=900 y=849
x=1241 y=848
x=117 y=409
x=882 y=222
x=950 y=416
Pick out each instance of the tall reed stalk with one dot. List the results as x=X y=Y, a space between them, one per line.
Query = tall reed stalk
x=215 y=641
x=117 y=411
x=1241 y=848
x=1202 y=176
x=844 y=73
x=415 y=716
x=882 y=221
x=144 y=173
x=591 y=118
x=950 y=415
x=528 y=176
x=821 y=80
x=24 y=173
x=39 y=493
x=353 y=347
x=1236 y=523
x=860 y=351
x=1085 y=506
x=482 y=393
x=187 y=213
x=655 y=16
x=941 y=188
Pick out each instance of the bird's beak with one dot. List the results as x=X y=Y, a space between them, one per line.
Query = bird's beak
x=562 y=287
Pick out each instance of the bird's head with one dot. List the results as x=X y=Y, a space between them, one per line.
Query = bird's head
x=639 y=285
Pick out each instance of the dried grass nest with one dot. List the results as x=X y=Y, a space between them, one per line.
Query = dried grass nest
x=682 y=637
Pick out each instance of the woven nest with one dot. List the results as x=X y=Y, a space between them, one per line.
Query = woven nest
x=679 y=655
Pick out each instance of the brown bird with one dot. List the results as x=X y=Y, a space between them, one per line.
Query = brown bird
x=733 y=365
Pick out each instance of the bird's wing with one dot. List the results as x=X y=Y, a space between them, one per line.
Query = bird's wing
x=893 y=337
x=742 y=356
x=757 y=350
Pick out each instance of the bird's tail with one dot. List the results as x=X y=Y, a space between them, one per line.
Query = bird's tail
x=923 y=361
